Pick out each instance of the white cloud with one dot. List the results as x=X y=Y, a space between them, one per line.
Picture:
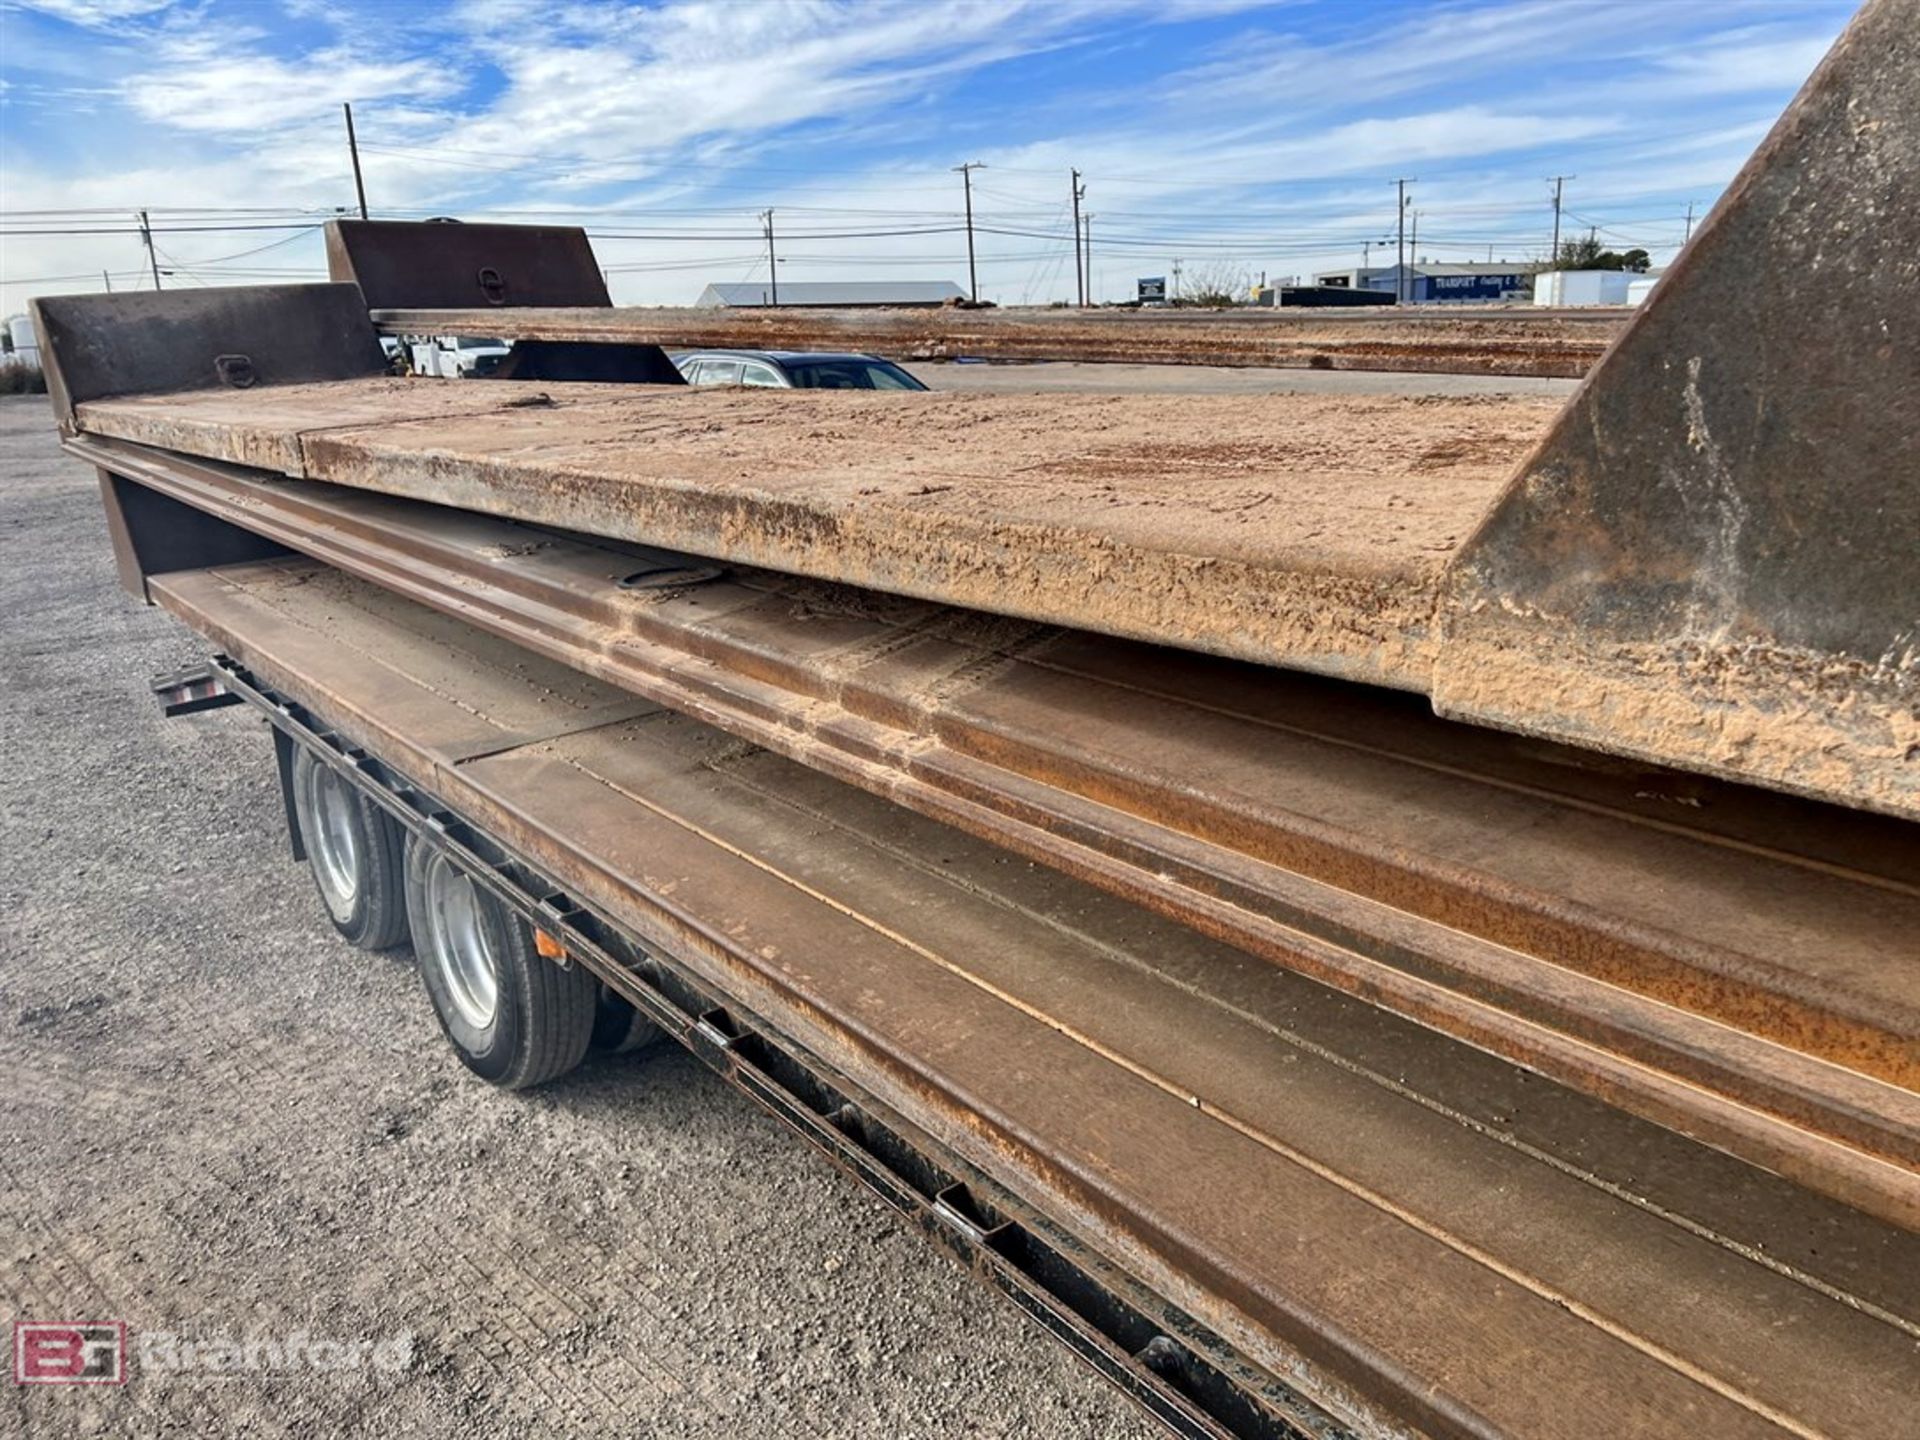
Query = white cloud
x=1736 y=65
x=601 y=84
x=96 y=14
x=1270 y=143
x=223 y=82
x=1449 y=44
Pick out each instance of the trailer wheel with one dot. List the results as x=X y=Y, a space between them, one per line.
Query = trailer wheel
x=356 y=853
x=619 y=1029
x=514 y=1017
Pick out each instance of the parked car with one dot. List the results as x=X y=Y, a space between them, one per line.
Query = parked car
x=793 y=370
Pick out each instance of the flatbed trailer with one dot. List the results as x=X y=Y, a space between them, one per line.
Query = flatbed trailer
x=1433 y=957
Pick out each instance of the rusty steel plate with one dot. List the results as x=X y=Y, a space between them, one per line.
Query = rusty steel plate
x=1757 y=998
x=1348 y=1205
x=1517 y=342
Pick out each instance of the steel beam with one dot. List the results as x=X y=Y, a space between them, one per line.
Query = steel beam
x=1519 y=342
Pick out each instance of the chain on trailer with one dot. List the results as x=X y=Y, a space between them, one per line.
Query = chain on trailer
x=1179 y=1371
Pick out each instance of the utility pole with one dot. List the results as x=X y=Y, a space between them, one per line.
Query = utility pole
x=1079 y=271
x=107 y=280
x=1413 y=240
x=1689 y=234
x=1400 y=240
x=773 y=262
x=353 y=149
x=966 y=181
x=146 y=234
x=1087 y=250
x=1559 y=184
x=1176 y=277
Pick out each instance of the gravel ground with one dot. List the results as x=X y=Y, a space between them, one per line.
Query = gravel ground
x=221 y=1122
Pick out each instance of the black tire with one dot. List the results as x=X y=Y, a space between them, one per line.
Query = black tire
x=515 y=1018
x=356 y=854
x=619 y=1029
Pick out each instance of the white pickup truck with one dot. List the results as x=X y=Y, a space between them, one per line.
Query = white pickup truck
x=455 y=357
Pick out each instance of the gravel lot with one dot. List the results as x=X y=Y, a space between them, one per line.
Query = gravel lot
x=221 y=1122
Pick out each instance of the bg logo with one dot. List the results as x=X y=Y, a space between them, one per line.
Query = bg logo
x=70 y=1352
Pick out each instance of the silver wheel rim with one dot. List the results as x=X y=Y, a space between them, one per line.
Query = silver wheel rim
x=459 y=947
x=334 y=839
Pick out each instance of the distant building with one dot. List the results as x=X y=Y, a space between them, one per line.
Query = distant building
x=17 y=343
x=1475 y=282
x=834 y=294
x=1583 y=287
x=1641 y=286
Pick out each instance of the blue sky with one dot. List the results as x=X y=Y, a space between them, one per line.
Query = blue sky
x=1235 y=136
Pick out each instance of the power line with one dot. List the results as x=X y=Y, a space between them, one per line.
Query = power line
x=662 y=234
x=791 y=234
x=1246 y=233
x=1334 y=226
x=76 y=275
x=142 y=227
x=261 y=249
x=1289 y=213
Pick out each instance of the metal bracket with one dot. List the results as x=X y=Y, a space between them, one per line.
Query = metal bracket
x=235 y=370
x=956 y=1207
x=187 y=691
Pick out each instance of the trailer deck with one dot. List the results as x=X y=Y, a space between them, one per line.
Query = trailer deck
x=1289 y=529
x=1374 y=1216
